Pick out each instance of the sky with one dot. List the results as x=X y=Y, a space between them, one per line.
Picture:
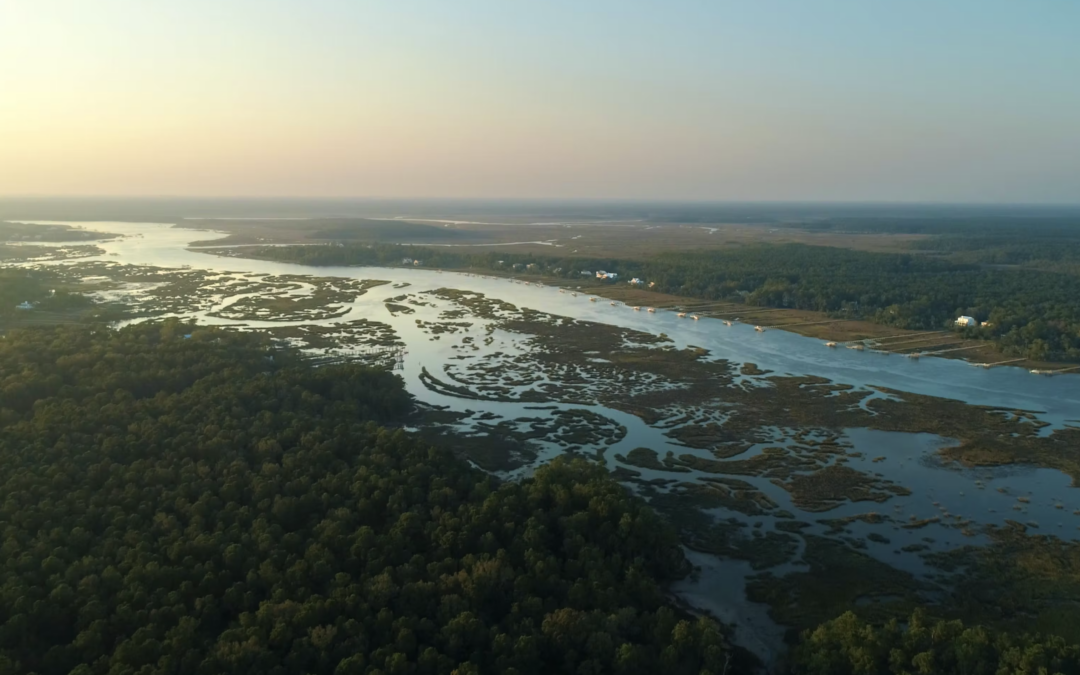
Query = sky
x=748 y=100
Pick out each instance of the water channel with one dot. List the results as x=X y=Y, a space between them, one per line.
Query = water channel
x=936 y=488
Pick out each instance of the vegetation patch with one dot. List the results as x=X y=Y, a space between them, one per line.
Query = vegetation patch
x=838 y=579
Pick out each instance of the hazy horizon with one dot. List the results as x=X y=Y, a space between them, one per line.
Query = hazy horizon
x=782 y=101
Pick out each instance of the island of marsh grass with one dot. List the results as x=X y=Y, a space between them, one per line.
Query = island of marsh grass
x=296 y=298
x=677 y=380
x=838 y=580
x=649 y=459
x=358 y=333
x=28 y=253
x=1022 y=581
x=824 y=489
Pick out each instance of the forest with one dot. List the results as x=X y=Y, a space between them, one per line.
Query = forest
x=1027 y=290
x=37 y=287
x=180 y=500
x=849 y=646
x=192 y=500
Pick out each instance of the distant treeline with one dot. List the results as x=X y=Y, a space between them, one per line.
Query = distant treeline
x=1033 y=308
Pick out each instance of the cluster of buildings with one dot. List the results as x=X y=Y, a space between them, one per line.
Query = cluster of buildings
x=971 y=322
x=610 y=276
x=410 y=261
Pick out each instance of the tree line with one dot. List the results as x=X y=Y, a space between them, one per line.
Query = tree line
x=1031 y=310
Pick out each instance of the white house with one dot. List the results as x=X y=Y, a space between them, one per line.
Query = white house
x=966 y=321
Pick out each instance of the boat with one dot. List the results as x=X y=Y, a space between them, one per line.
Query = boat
x=574 y=294
x=652 y=311
x=759 y=329
x=728 y=323
x=681 y=315
x=1038 y=371
x=830 y=344
x=913 y=355
x=592 y=299
x=856 y=347
x=637 y=309
x=695 y=317
x=612 y=303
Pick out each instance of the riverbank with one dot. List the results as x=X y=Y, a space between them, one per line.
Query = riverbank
x=851 y=333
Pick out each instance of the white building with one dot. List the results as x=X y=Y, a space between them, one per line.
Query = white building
x=966 y=321
x=636 y=282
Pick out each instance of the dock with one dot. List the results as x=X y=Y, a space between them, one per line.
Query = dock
x=805 y=323
x=954 y=349
x=998 y=363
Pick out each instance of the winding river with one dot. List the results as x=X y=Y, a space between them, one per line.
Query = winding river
x=1056 y=400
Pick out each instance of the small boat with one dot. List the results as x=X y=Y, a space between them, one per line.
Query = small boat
x=612 y=303
x=637 y=309
x=592 y=299
x=856 y=347
x=913 y=355
x=695 y=317
x=759 y=329
x=652 y=311
x=561 y=290
x=728 y=323
x=681 y=315
x=830 y=344
x=574 y=294
x=1037 y=371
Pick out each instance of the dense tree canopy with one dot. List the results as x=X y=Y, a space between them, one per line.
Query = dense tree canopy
x=848 y=646
x=184 y=500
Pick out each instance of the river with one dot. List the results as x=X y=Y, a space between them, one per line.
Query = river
x=936 y=488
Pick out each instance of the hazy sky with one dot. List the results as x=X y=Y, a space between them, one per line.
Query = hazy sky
x=929 y=100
